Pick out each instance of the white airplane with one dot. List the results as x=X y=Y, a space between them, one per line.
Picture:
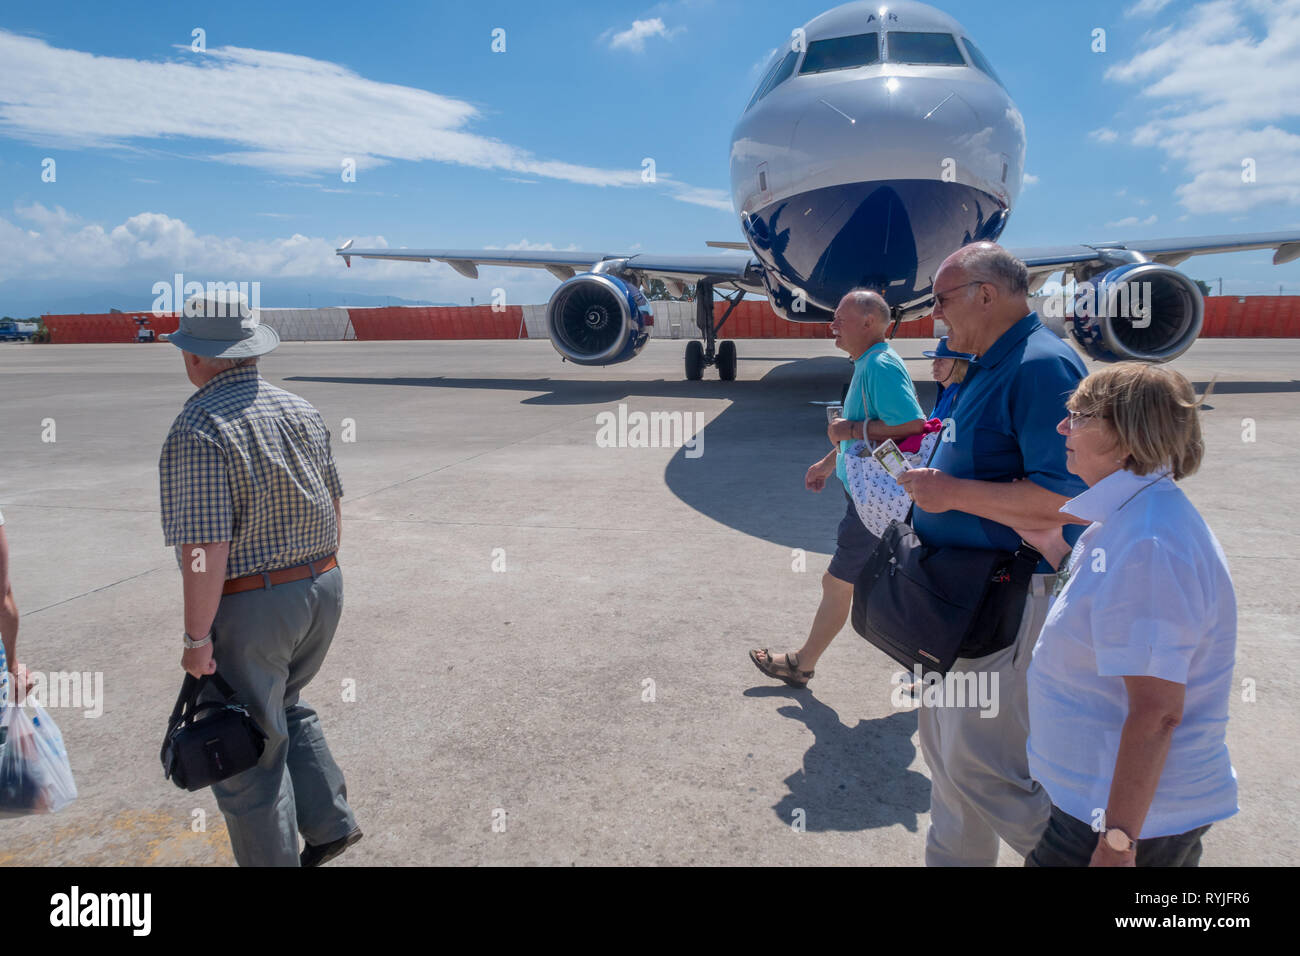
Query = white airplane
x=878 y=141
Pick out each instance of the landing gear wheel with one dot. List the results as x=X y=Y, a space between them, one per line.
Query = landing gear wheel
x=726 y=361
x=694 y=360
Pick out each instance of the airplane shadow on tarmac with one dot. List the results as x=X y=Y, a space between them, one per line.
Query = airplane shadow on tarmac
x=750 y=469
x=853 y=778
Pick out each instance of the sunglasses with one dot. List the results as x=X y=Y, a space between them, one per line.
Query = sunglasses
x=942 y=297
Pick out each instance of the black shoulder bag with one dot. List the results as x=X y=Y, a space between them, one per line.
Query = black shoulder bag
x=199 y=751
x=927 y=606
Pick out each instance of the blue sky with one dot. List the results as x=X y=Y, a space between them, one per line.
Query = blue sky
x=225 y=163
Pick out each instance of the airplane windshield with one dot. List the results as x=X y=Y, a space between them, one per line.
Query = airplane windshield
x=762 y=84
x=981 y=64
x=775 y=77
x=841 y=53
x=928 y=48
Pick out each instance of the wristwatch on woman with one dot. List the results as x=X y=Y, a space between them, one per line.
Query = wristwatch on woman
x=1118 y=840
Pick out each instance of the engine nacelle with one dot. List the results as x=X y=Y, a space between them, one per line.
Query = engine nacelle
x=1142 y=311
x=598 y=319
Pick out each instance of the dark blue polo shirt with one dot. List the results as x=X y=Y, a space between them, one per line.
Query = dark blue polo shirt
x=1004 y=427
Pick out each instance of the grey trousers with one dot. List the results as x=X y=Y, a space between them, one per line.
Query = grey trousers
x=1071 y=842
x=268 y=645
x=980 y=788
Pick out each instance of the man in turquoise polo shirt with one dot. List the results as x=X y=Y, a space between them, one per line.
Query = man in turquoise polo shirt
x=881 y=403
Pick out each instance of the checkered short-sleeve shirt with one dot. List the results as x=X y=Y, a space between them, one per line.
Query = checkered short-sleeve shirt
x=250 y=463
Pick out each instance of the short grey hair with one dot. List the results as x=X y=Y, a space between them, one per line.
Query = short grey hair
x=989 y=262
x=868 y=301
x=227 y=363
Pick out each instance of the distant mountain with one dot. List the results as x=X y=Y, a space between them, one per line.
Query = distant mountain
x=22 y=298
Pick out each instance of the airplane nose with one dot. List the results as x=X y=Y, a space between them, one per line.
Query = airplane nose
x=928 y=100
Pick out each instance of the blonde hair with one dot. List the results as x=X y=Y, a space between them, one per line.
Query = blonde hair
x=1152 y=409
x=959 y=367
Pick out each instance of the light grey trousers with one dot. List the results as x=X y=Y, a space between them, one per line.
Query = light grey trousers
x=268 y=645
x=980 y=788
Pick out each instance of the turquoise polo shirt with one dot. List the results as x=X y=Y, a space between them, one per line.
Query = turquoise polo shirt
x=1004 y=427
x=880 y=389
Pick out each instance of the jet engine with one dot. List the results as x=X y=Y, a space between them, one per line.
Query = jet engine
x=1142 y=311
x=598 y=319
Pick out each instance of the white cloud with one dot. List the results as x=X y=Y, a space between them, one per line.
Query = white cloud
x=41 y=243
x=1218 y=80
x=1132 y=221
x=1104 y=135
x=634 y=37
x=1031 y=179
x=272 y=111
x=701 y=196
x=1146 y=8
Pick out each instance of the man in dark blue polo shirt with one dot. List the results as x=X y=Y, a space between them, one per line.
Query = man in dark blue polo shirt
x=1004 y=467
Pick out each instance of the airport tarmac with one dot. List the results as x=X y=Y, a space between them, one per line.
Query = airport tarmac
x=543 y=654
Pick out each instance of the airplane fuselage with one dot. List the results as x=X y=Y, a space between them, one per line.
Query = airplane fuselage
x=855 y=165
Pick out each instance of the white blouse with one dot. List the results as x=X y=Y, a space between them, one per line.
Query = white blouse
x=1148 y=593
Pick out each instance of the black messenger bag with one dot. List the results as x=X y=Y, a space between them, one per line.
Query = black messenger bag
x=199 y=751
x=927 y=606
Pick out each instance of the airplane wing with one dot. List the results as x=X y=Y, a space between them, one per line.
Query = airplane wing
x=1170 y=252
x=740 y=270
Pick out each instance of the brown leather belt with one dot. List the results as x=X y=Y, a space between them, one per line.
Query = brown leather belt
x=269 y=579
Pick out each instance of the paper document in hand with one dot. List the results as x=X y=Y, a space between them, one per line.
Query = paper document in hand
x=890 y=458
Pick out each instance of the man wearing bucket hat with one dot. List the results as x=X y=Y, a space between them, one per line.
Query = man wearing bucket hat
x=250 y=500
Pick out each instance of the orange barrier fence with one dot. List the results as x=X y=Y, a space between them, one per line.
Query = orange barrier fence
x=105 y=328
x=1252 y=317
x=754 y=319
x=1255 y=316
x=447 y=322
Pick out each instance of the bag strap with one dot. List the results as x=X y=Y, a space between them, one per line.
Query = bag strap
x=227 y=691
x=1022 y=566
x=187 y=705
x=189 y=693
x=866 y=414
x=907 y=519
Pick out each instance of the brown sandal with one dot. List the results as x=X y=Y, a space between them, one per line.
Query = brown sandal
x=787 y=672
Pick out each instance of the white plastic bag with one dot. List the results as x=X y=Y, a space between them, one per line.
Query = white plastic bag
x=35 y=776
x=878 y=497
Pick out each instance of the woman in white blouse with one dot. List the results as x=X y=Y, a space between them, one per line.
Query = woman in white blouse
x=1132 y=673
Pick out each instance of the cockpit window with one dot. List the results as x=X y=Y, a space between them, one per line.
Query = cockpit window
x=762 y=84
x=841 y=53
x=981 y=64
x=783 y=72
x=775 y=76
x=929 y=48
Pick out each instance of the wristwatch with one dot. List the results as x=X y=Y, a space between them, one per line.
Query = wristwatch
x=1118 y=840
x=191 y=644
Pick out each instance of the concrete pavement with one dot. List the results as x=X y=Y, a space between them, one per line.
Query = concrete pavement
x=538 y=625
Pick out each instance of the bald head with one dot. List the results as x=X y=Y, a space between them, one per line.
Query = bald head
x=867 y=304
x=989 y=262
x=980 y=292
x=860 y=321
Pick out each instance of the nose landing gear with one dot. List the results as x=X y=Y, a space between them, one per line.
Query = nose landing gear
x=710 y=352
